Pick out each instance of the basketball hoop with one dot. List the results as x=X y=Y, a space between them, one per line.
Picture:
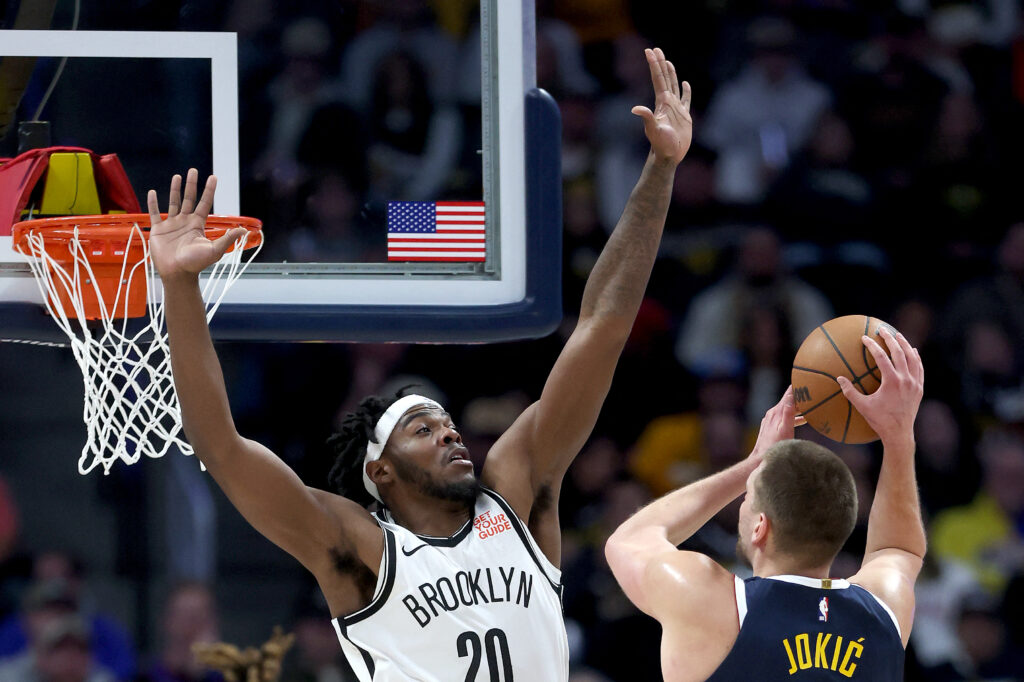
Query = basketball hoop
x=95 y=274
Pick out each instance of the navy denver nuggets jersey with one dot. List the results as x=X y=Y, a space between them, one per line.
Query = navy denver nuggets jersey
x=806 y=629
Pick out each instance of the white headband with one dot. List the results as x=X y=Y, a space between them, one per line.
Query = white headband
x=382 y=431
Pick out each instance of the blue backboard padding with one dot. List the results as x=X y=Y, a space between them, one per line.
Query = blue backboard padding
x=538 y=314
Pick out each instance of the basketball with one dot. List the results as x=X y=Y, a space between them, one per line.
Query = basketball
x=833 y=349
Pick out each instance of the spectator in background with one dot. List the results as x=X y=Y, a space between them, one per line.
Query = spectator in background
x=414 y=140
x=302 y=86
x=398 y=25
x=335 y=226
x=759 y=120
x=825 y=204
x=598 y=25
x=620 y=148
x=959 y=186
x=714 y=323
x=11 y=564
x=60 y=653
x=607 y=622
x=677 y=449
x=768 y=351
x=892 y=104
x=598 y=466
x=938 y=594
x=990 y=652
x=189 y=616
x=988 y=533
x=996 y=303
x=918 y=318
x=991 y=383
x=947 y=470
x=317 y=657
x=9 y=522
x=59 y=584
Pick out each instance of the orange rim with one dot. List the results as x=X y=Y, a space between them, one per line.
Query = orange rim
x=116 y=225
x=108 y=243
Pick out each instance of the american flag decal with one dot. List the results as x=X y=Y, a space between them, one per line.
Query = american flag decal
x=437 y=231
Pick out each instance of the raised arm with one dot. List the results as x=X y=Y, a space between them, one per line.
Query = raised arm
x=537 y=450
x=308 y=524
x=638 y=548
x=896 y=541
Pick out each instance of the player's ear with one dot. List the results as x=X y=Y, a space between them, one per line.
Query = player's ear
x=380 y=471
x=759 y=533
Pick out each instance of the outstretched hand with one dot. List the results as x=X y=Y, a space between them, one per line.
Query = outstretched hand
x=778 y=424
x=178 y=244
x=669 y=128
x=892 y=409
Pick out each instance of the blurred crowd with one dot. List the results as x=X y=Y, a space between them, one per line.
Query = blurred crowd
x=850 y=157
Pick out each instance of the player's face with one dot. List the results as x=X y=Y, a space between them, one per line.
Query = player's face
x=427 y=452
x=746 y=522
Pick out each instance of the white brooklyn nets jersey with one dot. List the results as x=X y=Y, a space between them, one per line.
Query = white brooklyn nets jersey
x=482 y=605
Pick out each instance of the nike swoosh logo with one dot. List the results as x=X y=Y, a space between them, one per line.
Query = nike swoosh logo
x=418 y=548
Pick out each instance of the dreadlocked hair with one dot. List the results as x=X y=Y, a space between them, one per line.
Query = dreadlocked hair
x=349 y=446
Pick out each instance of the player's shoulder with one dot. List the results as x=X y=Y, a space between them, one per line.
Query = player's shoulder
x=689 y=583
x=889 y=576
x=355 y=529
x=340 y=505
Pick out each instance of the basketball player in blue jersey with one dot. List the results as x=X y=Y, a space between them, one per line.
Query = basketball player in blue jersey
x=453 y=578
x=791 y=621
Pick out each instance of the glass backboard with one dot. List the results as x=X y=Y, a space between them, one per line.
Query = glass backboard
x=327 y=139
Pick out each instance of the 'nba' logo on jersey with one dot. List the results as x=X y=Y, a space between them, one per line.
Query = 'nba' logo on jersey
x=823 y=609
x=487 y=525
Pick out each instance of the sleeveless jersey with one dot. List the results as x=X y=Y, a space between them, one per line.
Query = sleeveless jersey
x=806 y=629
x=483 y=604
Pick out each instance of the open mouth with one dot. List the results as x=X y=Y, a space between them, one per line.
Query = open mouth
x=458 y=455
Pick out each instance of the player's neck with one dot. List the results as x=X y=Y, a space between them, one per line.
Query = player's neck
x=771 y=566
x=430 y=516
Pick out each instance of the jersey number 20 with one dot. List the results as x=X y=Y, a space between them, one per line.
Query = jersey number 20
x=494 y=639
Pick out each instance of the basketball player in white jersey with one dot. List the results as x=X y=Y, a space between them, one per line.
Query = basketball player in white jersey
x=453 y=578
x=790 y=621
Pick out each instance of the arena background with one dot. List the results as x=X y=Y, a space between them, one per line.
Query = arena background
x=850 y=157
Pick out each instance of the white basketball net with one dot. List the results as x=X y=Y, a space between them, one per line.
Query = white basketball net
x=131 y=408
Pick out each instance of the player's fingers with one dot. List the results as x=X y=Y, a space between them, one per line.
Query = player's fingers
x=222 y=243
x=154 y=207
x=912 y=356
x=174 y=196
x=917 y=366
x=684 y=98
x=799 y=420
x=787 y=411
x=787 y=404
x=899 y=356
x=205 y=204
x=188 y=202
x=850 y=391
x=881 y=359
x=665 y=74
x=673 y=79
x=643 y=112
x=657 y=76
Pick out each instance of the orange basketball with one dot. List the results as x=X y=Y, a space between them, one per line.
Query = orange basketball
x=833 y=349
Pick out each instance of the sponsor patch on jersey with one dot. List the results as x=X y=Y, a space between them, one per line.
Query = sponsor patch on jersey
x=488 y=524
x=823 y=610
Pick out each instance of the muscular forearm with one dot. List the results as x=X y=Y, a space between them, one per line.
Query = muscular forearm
x=198 y=379
x=681 y=513
x=617 y=283
x=895 y=520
